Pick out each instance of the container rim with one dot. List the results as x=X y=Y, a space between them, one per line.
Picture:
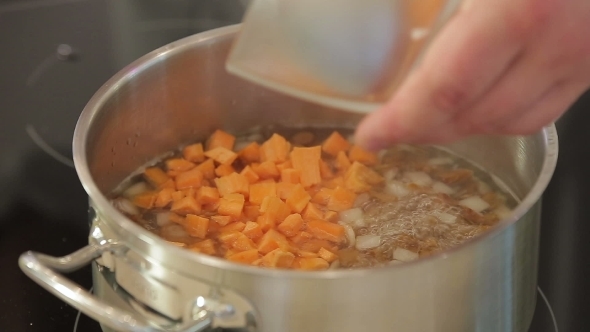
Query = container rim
x=130 y=230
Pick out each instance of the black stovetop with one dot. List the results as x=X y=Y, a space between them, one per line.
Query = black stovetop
x=43 y=206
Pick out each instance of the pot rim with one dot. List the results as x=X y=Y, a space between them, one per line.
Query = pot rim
x=125 y=227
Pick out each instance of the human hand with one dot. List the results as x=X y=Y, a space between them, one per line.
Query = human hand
x=498 y=67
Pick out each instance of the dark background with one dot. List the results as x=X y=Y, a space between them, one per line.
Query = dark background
x=43 y=206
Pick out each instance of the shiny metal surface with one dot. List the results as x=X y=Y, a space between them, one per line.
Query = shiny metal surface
x=181 y=92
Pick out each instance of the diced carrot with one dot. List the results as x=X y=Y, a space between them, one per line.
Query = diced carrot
x=301 y=238
x=177 y=196
x=252 y=230
x=259 y=191
x=221 y=220
x=341 y=199
x=231 y=205
x=326 y=230
x=237 y=226
x=179 y=164
x=290 y=175
x=266 y=170
x=278 y=258
x=266 y=222
x=228 y=238
x=325 y=170
x=272 y=240
x=222 y=155
x=302 y=253
x=311 y=211
x=207 y=195
x=205 y=247
x=244 y=257
x=168 y=184
x=342 y=163
x=284 y=165
x=298 y=199
x=207 y=168
x=307 y=161
x=251 y=212
x=284 y=189
x=335 y=144
x=223 y=170
x=233 y=183
x=275 y=149
x=313 y=263
x=196 y=226
x=145 y=200
x=176 y=218
x=164 y=197
x=359 y=178
x=250 y=154
x=327 y=255
x=155 y=176
x=274 y=208
x=194 y=153
x=291 y=225
x=189 y=192
x=296 y=265
x=187 y=205
x=249 y=173
x=356 y=153
x=335 y=182
x=322 y=197
x=173 y=173
x=220 y=138
x=243 y=243
x=314 y=245
x=210 y=207
x=188 y=179
x=331 y=216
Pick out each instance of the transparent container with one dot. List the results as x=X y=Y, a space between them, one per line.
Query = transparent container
x=347 y=54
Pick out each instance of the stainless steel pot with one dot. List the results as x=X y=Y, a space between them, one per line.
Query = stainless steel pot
x=180 y=93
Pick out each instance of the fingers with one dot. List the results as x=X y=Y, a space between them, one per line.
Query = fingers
x=469 y=56
x=545 y=110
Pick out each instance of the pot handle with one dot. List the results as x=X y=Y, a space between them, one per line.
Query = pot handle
x=44 y=270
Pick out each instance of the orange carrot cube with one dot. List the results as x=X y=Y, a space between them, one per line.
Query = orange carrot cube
x=196 y=226
x=207 y=195
x=298 y=199
x=244 y=257
x=237 y=226
x=266 y=170
x=223 y=170
x=325 y=230
x=341 y=199
x=331 y=216
x=242 y=243
x=272 y=240
x=284 y=165
x=233 y=183
x=145 y=200
x=207 y=168
x=221 y=220
x=179 y=165
x=275 y=149
x=252 y=230
x=307 y=161
x=327 y=255
x=205 y=247
x=231 y=205
x=359 y=178
x=177 y=196
x=259 y=191
x=220 y=138
x=342 y=163
x=284 y=189
x=187 y=205
x=278 y=258
x=250 y=154
x=164 y=197
x=313 y=264
x=356 y=153
x=325 y=170
x=155 y=176
x=311 y=211
x=251 y=212
x=322 y=197
x=290 y=175
x=194 y=153
x=274 y=208
x=291 y=225
x=222 y=155
x=335 y=144
x=189 y=179
x=249 y=173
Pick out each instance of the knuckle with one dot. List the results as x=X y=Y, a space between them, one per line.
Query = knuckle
x=450 y=98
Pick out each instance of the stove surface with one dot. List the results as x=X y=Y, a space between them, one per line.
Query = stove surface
x=57 y=53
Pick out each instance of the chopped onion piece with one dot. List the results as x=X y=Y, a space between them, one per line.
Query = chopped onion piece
x=440 y=161
x=349 y=232
x=136 y=189
x=390 y=174
x=335 y=264
x=404 y=255
x=442 y=188
x=483 y=187
x=351 y=216
x=503 y=212
x=397 y=188
x=365 y=242
x=420 y=178
x=361 y=199
x=125 y=206
x=163 y=219
x=445 y=217
x=475 y=203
